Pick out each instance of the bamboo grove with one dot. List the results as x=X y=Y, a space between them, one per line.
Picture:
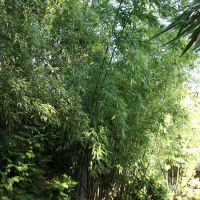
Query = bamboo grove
x=88 y=105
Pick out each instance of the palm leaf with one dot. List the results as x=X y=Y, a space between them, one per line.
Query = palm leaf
x=186 y=23
x=185 y=32
x=175 y=23
x=194 y=37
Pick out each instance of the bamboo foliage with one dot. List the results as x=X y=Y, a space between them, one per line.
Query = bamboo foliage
x=84 y=101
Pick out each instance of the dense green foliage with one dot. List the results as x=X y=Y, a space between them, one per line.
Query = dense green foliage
x=86 y=106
